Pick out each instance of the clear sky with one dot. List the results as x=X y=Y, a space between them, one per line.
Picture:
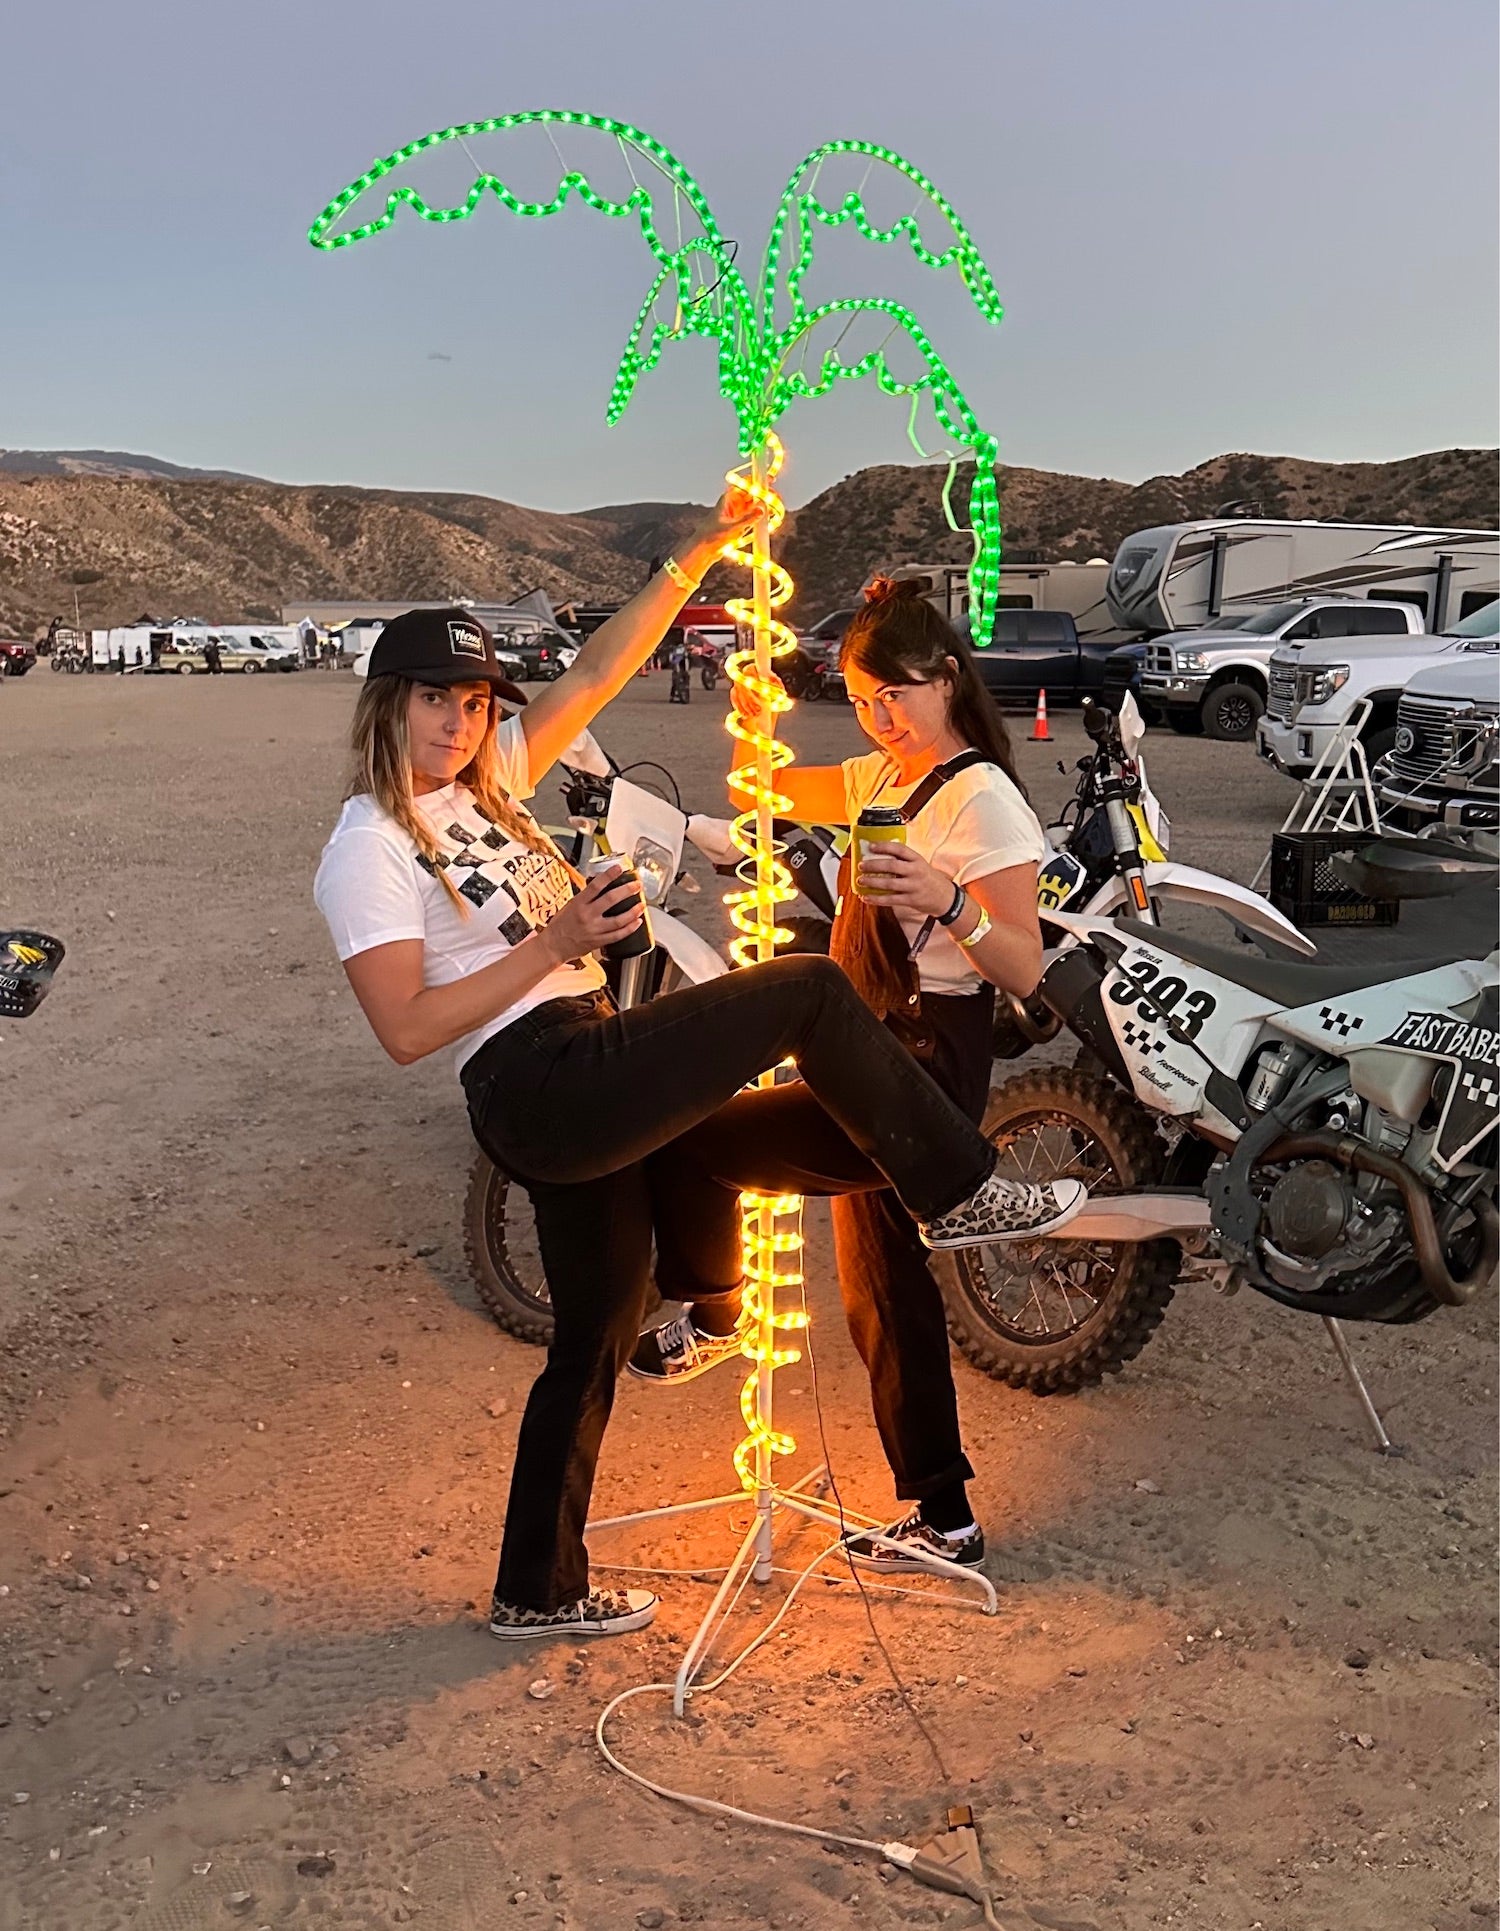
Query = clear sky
x=1216 y=226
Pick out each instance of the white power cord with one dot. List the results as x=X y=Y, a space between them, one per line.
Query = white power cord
x=905 y=1857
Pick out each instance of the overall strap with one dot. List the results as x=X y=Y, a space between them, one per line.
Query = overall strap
x=936 y=778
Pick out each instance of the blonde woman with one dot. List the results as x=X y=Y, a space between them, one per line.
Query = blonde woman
x=461 y=927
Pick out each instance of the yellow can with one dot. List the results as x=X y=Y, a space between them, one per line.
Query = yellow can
x=877 y=824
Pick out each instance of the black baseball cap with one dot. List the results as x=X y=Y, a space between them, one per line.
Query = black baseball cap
x=440 y=647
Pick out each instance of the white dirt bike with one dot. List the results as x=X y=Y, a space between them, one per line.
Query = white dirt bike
x=1107 y=857
x=1323 y=1134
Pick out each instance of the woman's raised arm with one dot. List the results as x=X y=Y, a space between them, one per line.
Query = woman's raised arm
x=619 y=647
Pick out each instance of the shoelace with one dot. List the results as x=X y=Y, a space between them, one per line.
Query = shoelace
x=676 y=1337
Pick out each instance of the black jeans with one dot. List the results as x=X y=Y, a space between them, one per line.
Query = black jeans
x=572 y=1098
x=783 y=1141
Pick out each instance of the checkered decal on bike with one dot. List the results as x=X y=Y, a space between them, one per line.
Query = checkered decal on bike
x=1142 y=1039
x=1481 y=1088
x=1336 y=1020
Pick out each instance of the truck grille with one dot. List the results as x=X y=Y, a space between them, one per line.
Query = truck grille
x=1281 y=695
x=1159 y=659
x=1436 y=739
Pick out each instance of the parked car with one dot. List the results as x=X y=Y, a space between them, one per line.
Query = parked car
x=1215 y=681
x=16 y=658
x=185 y=657
x=541 y=653
x=273 y=656
x=1444 y=767
x=1313 y=688
x=1041 y=650
x=828 y=631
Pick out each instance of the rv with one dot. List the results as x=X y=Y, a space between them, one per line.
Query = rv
x=1078 y=589
x=1185 y=576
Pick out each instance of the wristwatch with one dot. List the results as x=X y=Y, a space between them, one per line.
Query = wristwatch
x=981 y=931
x=955 y=910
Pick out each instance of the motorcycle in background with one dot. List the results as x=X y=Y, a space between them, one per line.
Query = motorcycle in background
x=1325 y=1135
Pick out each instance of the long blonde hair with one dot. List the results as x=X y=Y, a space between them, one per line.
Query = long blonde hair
x=381 y=769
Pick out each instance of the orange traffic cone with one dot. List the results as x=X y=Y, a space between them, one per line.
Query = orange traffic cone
x=1039 y=732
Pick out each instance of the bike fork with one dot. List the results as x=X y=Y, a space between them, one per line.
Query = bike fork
x=1127 y=850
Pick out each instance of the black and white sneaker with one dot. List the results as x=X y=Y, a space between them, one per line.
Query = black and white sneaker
x=966 y=1546
x=1006 y=1210
x=602 y=1612
x=679 y=1350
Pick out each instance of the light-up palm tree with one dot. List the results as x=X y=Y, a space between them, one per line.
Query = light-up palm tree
x=774 y=348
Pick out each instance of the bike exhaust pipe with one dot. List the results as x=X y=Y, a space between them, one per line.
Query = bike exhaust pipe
x=1138 y=1216
x=1425 y=1241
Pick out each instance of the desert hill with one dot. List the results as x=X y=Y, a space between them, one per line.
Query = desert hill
x=132 y=534
x=893 y=513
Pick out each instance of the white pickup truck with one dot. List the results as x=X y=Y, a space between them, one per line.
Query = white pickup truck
x=1444 y=768
x=1214 y=681
x=1314 y=687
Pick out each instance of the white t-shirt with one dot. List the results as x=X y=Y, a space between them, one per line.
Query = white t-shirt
x=374 y=887
x=977 y=823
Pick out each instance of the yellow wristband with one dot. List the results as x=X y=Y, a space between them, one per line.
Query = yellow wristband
x=981 y=931
x=680 y=576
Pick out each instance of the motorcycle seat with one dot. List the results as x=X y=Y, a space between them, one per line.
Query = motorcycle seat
x=1290 y=982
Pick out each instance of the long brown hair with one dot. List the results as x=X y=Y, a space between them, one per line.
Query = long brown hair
x=381 y=769
x=898 y=637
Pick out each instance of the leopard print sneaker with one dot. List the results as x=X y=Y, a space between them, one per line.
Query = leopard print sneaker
x=1006 y=1210
x=602 y=1612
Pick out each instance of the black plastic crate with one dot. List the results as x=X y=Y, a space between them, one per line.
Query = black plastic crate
x=1309 y=891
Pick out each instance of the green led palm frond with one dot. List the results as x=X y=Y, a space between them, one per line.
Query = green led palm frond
x=801 y=212
x=819 y=368
x=709 y=295
x=698 y=289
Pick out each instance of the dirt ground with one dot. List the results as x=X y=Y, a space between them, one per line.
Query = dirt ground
x=257 y=1436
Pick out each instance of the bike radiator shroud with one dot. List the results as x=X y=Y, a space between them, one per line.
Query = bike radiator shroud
x=1178 y=1068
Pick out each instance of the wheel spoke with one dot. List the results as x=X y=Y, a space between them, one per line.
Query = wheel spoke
x=1039 y=1291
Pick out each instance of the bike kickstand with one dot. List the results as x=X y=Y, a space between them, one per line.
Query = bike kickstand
x=1383 y=1442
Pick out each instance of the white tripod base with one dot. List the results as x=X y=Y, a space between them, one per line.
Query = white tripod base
x=752 y=1560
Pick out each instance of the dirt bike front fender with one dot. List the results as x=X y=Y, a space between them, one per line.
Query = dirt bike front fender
x=693 y=957
x=1188 y=886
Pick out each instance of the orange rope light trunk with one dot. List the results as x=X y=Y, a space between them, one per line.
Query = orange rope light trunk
x=771 y=1224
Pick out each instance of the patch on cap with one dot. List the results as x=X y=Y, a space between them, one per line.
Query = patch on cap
x=466 y=640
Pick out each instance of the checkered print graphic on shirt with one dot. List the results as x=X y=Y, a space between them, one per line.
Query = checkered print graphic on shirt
x=517 y=888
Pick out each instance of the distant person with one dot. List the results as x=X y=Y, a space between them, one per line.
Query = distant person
x=213 y=657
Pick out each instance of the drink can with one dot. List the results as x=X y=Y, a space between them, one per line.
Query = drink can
x=876 y=825
x=640 y=940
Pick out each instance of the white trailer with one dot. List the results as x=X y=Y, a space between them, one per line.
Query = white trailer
x=141 y=645
x=1077 y=588
x=1186 y=576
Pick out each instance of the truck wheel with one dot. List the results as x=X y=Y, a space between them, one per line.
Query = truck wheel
x=1379 y=744
x=1231 y=711
x=1055 y=1316
x=1187 y=724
